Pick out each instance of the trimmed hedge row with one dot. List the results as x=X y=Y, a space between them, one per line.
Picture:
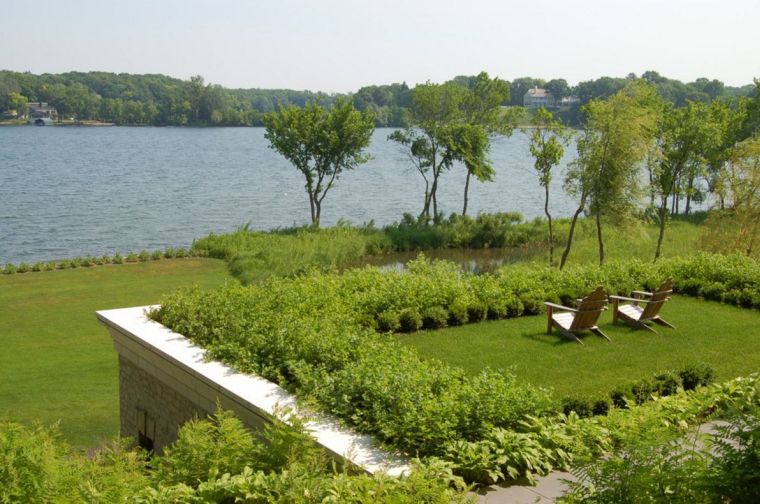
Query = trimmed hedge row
x=315 y=335
x=660 y=385
x=89 y=261
x=433 y=295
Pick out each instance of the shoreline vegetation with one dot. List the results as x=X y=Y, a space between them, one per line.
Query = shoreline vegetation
x=133 y=99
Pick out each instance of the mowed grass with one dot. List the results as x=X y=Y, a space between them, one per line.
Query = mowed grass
x=57 y=363
x=723 y=336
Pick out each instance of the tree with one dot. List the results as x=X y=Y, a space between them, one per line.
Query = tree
x=19 y=103
x=685 y=136
x=558 y=88
x=738 y=226
x=435 y=110
x=321 y=144
x=617 y=137
x=483 y=119
x=547 y=140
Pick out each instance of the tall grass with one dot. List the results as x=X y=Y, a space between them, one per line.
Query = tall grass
x=255 y=256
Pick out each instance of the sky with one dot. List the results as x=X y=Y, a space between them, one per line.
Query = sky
x=341 y=45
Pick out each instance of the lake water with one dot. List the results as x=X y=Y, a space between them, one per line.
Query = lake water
x=73 y=191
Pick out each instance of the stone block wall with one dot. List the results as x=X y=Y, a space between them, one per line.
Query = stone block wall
x=151 y=412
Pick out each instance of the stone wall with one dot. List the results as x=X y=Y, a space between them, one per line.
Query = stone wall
x=151 y=412
x=165 y=380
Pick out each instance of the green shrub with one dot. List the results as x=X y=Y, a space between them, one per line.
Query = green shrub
x=600 y=406
x=388 y=321
x=476 y=311
x=117 y=258
x=131 y=257
x=410 y=320
x=458 y=314
x=38 y=266
x=9 y=269
x=582 y=406
x=157 y=255
x=696 y=375
x=143 y=256
x=23 y=268
x=620 y=397
x=88 y=262
x=435 y=317
x=63 y=264
x=666 y=384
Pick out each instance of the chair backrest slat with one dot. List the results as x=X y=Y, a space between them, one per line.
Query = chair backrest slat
x=657 y=300
x=589 y=310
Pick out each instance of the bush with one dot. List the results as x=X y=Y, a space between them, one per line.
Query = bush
x=410 y=320
x=117 y=258
x=458 y=314
x=666 y=384
x=600 y=406
x=435 y=317
x=9 y=269
x=696 y=375
x=388 y=321
x=157 y=255
x=582 y=406
x=476 y=311
x=131 y=258
x=143 y=256
x=23 y=268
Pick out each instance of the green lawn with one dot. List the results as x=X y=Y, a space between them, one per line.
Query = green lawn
x=726 y=337
x=57 y=362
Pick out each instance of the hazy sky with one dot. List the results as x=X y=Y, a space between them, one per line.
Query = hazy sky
x=341 y=45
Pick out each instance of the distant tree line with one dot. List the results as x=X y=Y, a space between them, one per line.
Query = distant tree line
x=166 y=101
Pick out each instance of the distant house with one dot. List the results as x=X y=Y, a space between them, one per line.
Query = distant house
x=41 y=114
x=538 y=97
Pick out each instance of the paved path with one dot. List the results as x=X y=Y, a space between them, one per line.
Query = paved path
x=547 y=489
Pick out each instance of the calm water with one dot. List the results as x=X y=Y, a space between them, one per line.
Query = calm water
x=67 y=191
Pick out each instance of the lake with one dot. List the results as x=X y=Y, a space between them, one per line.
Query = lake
x=74 y=191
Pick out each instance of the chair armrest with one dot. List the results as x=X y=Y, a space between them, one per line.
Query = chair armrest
x=642 y=293
x=634 y=300
x=560 y=307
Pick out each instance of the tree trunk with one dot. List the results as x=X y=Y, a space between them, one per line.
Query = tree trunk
x=551 y=233
x=312 y=207
x=318 y=208
x=571 y=233
x=688 y=196
x=663 y=216
x=466 y=189
x=599 y=237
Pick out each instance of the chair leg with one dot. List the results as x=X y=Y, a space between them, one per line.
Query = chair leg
x=643 y=325
x=664 y=322
x=599 y=332
x=570 y=335
x=549 y=313
x=615 y=304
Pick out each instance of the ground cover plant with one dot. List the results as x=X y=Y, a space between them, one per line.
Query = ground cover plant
x=213 y=460
x=57 y=361
x=316 y=335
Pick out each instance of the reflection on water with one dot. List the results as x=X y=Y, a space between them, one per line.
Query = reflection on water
x=475 y=261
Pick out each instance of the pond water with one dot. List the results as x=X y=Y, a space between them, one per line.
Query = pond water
x=476 y=261
x=73 y=191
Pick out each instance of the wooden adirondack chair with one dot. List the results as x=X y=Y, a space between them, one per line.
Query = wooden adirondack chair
x=583 y=318
x=634 y=315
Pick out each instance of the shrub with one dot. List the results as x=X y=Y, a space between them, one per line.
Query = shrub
x=435 y=317
x=582 y=406
x=87 y=262
x=117 y=258
x=458 y=314
x=131 y=258
x=23 y=268
x=476 y=311
x=143 y=256
x=157 y=255
x=620 y=397
x=388 y=321
x=38 y=266
x=9 y=269
x=696 y=375
x=410 y=320
x=667 y=383
x=600 y=406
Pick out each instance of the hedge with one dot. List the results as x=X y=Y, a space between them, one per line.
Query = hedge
x=316 y=335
